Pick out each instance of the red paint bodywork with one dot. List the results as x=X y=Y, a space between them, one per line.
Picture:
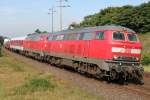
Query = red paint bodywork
x=38 y=45
x=96 y=49
x=17 y=43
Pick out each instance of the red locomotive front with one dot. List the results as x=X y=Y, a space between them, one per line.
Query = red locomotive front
x=125 y=46
x=125 y=55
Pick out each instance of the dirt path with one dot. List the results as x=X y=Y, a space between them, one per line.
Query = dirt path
x=98 y=87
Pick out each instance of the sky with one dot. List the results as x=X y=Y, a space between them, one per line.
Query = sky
x=21 y=17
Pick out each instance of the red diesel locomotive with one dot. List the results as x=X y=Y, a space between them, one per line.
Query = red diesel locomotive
x=104 y=51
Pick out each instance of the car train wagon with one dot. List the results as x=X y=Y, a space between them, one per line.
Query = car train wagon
x=103 y=51
x=16 y=44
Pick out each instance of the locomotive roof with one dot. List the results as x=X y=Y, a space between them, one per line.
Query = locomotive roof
x=36 y=34
x=19 y=38
x=91 y=29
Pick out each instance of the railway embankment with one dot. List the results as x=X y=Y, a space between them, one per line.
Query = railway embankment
x=145 y=39
x=87 y=88
x=20 y=80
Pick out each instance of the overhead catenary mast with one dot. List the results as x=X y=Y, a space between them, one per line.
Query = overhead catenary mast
x=61 y=14
x=51 y=12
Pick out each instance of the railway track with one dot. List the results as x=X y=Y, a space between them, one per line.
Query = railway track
x=147 y=75
x=138 y=91
x=97 y=87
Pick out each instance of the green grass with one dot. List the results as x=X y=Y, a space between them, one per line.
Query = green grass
x=5 y=62
x=147 y=68
x=145 y=39
x=35 y=85
x=21 y=81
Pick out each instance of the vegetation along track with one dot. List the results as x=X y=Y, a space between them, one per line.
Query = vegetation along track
x=111 y=91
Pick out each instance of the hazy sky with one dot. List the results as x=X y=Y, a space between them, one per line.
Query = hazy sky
x=20 y=17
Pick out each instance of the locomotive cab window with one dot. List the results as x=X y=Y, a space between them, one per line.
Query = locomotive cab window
x=118 y=36
x=132 y=38
x=100 y=35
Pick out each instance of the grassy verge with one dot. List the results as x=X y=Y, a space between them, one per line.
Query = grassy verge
x=20 y=81
x=147 y=68
x=145 y=38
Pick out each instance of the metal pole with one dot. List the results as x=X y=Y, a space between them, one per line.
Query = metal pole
x=51 y=11
x=52 y=21
x=61 y=13
x=49 y=21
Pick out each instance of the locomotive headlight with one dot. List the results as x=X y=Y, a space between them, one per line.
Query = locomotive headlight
x=115 y=57
x=137 y=58
x=136 y=51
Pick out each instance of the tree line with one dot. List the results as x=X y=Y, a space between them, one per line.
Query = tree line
x=1 y=40
x=1 y=43
x=134 y=17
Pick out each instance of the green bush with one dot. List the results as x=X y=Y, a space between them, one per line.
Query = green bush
x=146 y=59
x=0 y=52
x=34 y=85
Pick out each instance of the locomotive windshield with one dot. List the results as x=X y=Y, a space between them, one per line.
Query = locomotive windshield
x=132 y=37
x=118 y=36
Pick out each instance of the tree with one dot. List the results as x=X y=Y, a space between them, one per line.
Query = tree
x=74 y=25
x=134 y=17
x=1 y=43
x=45 y=32
x=1 y=40
x=38 y=31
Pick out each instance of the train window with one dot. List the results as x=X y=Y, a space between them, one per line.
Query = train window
x=65 y=37
x=70 y=37
x=88 y=36
x=54 y=37
x=80 y=36
x=132 y=37
x=59 y=37
x=36 y=38
x=100 y=35
x=32 y=38
x=50 y=37
x=118 y=36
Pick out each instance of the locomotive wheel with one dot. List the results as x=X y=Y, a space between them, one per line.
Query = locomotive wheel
x=76 y=66
x=58 y=62
x=113 y=75
x=139 y=77
x=81 y=69
x=53 y=61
